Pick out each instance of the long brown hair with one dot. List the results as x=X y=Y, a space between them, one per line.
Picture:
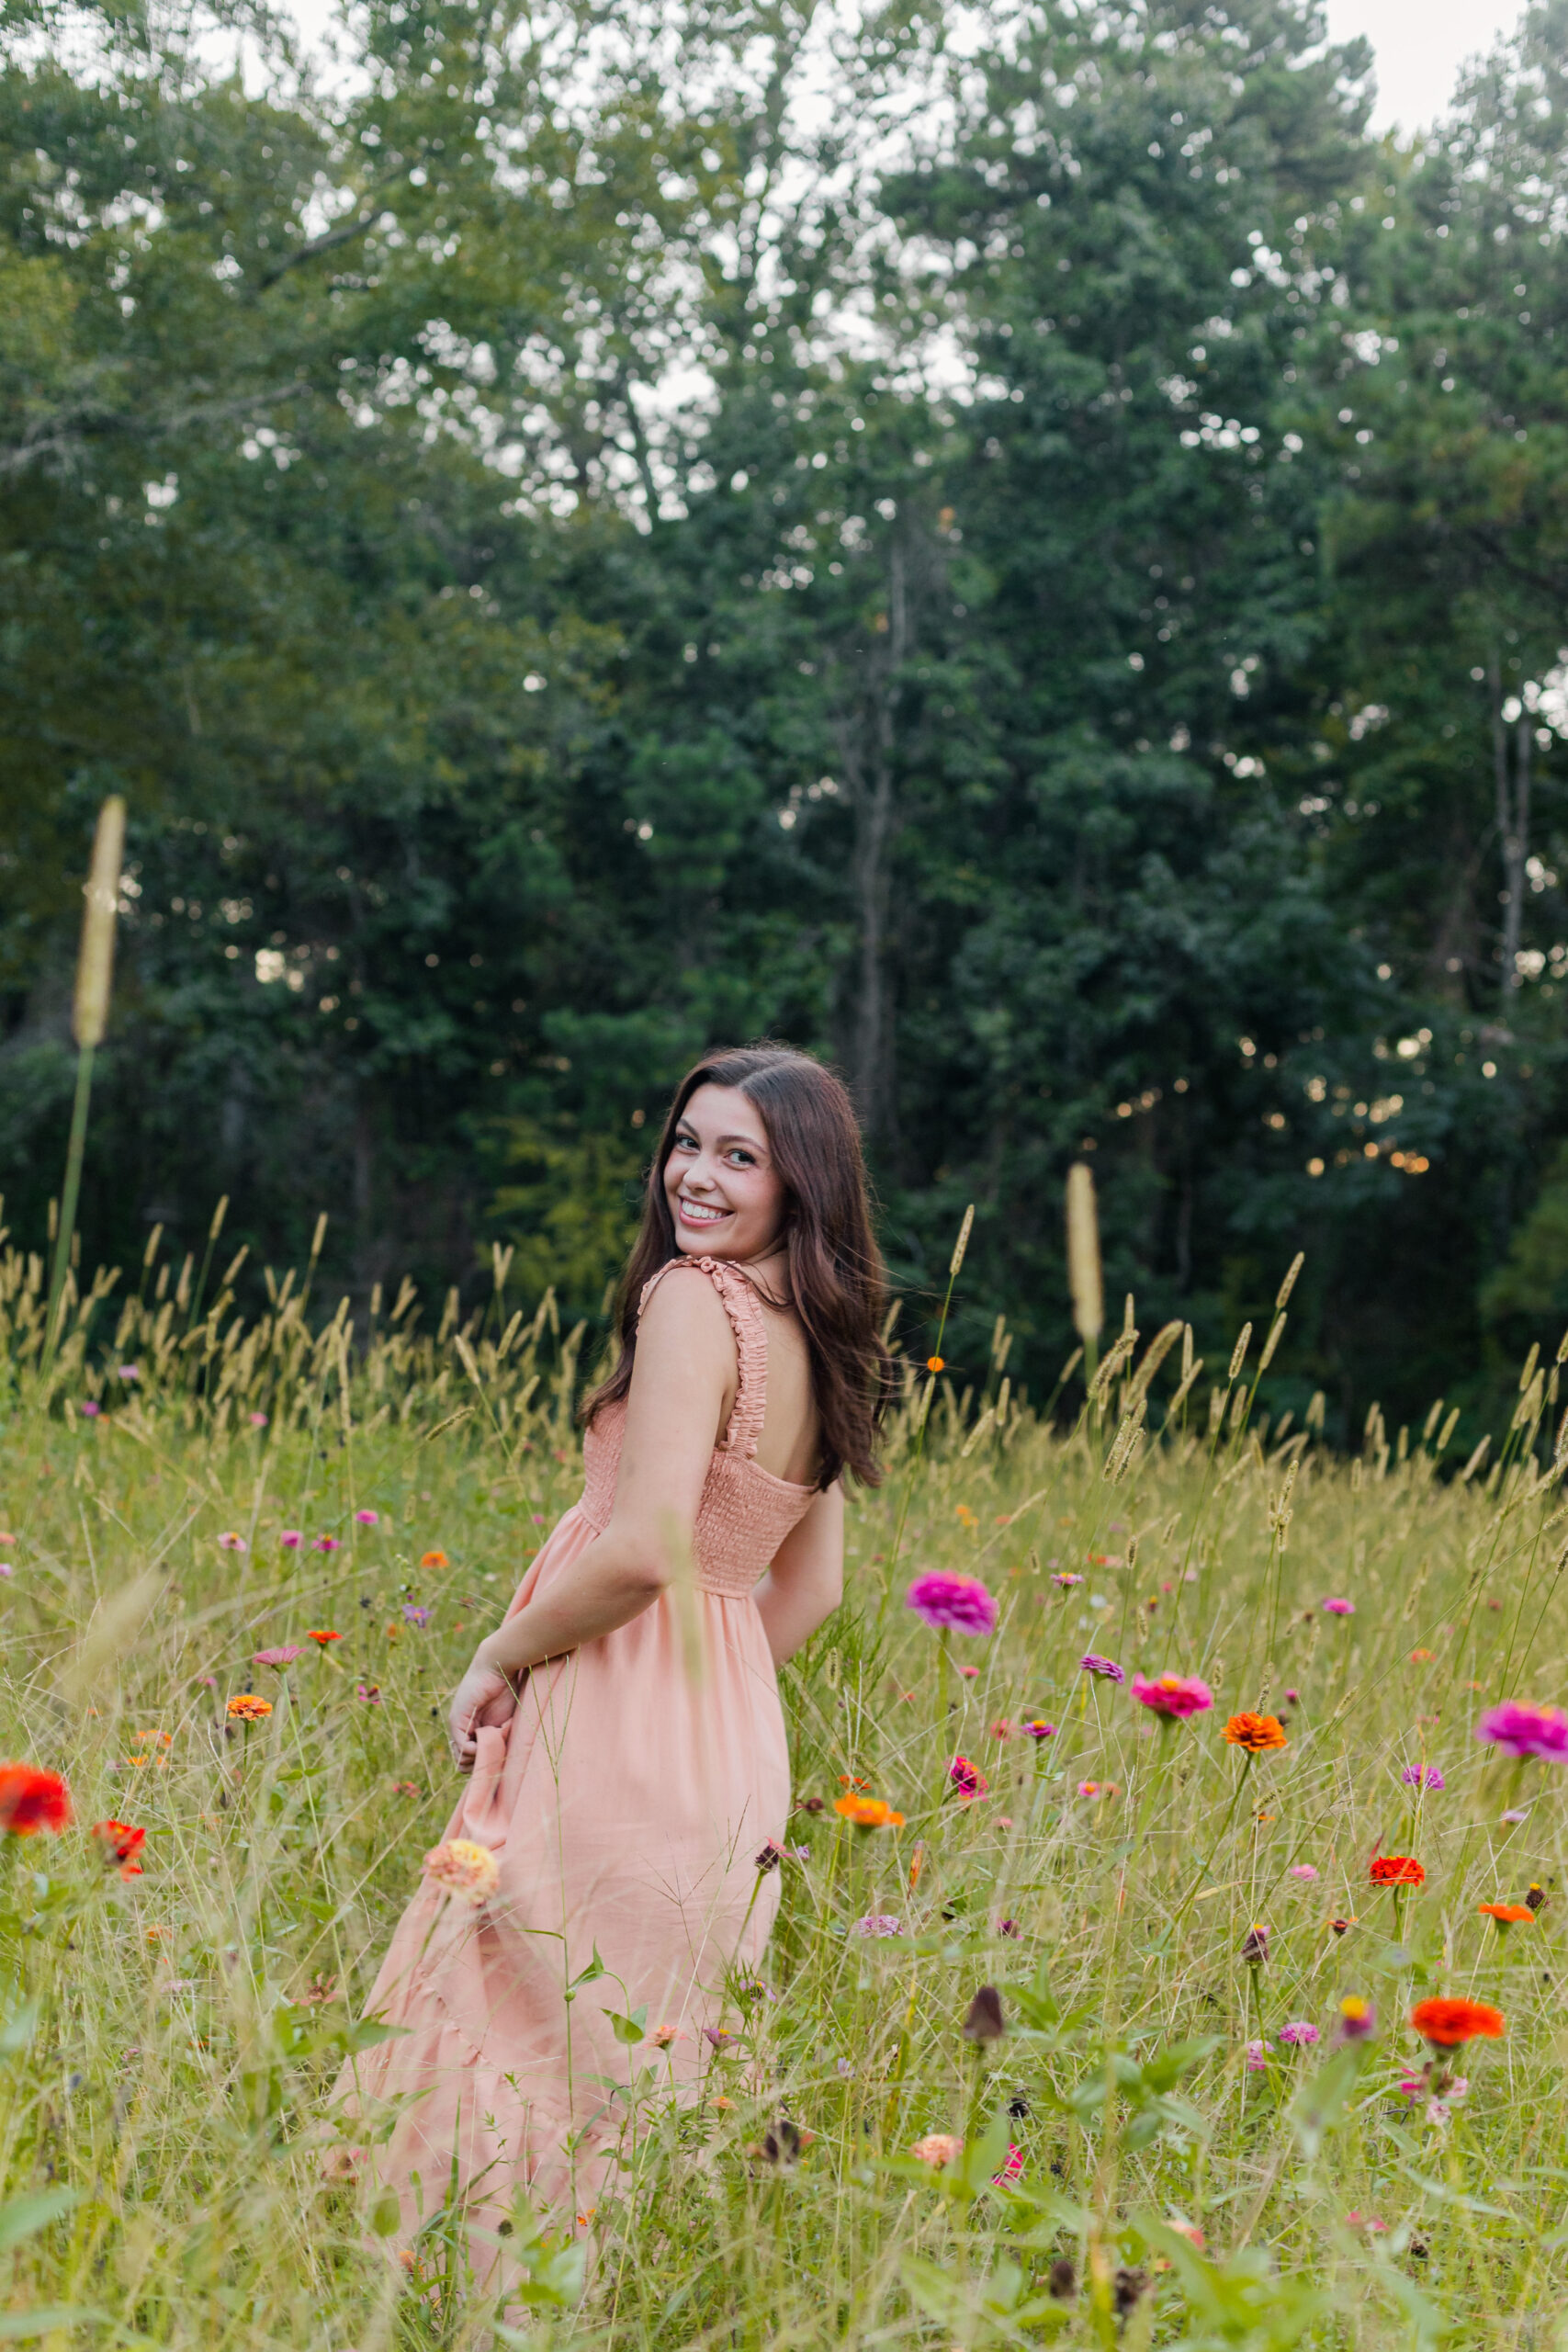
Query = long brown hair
x=837 y=1279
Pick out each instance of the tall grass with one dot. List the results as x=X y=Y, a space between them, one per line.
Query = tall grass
x=166 y=2039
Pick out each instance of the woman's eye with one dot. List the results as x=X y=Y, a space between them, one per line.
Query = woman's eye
x=744 y=1157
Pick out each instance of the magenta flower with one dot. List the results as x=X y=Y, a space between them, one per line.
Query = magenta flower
x=1174 y=1696
x=878 y=1922
x=1357 y=2018
x=369 y=1692
x=325 y=1543
x=291 y=1539
x=258 y=1420
x=952 y=1604
x=285 y=1655
x=1066 y=1579
x=1340 y=1608
x=1036 y=1728
x=366 y=1518
x=1298 y=2034
x=1291 y=1696
x=90 y=1411
x=967 y=1779
x=1092 y=1663
x=1010 y=2168
x=1302 y=1871
x=231 y=1542
x=1423 y=1776
x=1256 y=2058
x=414 y=1615
x=1525 y=1730
x=130 y=1372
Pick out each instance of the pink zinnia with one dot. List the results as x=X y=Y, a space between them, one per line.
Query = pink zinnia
x=1525 y=1730
x=1175 y=1696
x=967 y=1779
x=285 y=1655
x=1340 y=1608
x=366 y=1518
x=325 y=1543
x=1298 y=2034
x=1010 y=2168
x=1107 y=1667
x=1036 y=1728
x=955 y=1604
x=1066 y=1579
x=231 y=1542
x=291 y=1539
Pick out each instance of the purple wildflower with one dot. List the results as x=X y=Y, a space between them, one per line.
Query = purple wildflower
x=1339 y=1608
x=1036 y=1728
x=1423 y=1776
x=414 y=1615
x=1525 y=1730
x=879 y=1923
x=1092 y=1663
x=1300 y=2034
x=1256 y=2058
x=955 y=1604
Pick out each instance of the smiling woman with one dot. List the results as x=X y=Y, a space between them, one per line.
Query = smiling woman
x=629 y=1768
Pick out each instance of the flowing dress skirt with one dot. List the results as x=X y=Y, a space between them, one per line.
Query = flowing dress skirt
x=625 y=1804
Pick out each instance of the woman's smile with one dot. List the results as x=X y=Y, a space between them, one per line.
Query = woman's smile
x=699 y=1212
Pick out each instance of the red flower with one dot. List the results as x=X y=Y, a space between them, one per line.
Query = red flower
x=121 y=1844
x=1446 y=2023
x=32 y=1801
x=323 y=1635
x=1395 y=1870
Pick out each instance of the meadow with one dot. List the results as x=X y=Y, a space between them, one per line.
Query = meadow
x=1097 y=1972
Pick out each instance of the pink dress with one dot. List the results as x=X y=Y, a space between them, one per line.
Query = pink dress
x=625 y=1802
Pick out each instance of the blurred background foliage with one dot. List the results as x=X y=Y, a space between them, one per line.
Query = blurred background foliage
x=1040 y=572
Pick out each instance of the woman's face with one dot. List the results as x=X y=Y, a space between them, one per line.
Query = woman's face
x=725 y=1194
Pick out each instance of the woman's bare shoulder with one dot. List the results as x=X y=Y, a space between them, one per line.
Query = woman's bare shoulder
x=684 y=1318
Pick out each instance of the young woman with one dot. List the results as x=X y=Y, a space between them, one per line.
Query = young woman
x=621 y=1727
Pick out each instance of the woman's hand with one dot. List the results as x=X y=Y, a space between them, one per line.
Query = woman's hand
x=485 y=1699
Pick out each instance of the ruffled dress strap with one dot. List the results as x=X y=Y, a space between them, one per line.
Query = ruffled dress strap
x=744 y=1309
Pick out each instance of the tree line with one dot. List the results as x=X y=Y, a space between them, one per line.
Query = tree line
x=1028 y=553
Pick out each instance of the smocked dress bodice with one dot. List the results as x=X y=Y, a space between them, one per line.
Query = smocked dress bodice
x=745 y=1512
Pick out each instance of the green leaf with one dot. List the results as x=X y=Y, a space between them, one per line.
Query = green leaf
x=386 y=2216
x=23 y=2215
x=631 y=2029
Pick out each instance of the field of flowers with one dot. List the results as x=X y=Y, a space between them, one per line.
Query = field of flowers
x=1164 y=1957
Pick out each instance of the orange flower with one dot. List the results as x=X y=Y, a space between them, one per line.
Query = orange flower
x=1257 y=1733
x=868 y=1813
x=31 y=1799
x=936 y=1363
x=1395 y=1870
x=1508 y=1914
x=323 y=1634
x=1448 y=2023
x=248 y=1709
x=121 y=1844
x=432 y=1559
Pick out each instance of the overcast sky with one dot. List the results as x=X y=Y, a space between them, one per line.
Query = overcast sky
x=1420 y=46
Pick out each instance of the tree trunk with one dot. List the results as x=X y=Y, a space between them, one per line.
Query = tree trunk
x=867 y=738
x=1513 y=822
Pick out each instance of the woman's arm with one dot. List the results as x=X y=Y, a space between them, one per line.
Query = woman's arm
x=805 y=1582
x=684 y=1383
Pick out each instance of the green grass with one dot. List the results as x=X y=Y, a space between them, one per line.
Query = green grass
x=168 y=2040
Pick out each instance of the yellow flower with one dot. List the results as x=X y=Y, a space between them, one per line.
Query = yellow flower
x=468 y=1872
x=248 y=1709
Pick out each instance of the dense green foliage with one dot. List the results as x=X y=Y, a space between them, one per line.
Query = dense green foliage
x=1039 y=574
